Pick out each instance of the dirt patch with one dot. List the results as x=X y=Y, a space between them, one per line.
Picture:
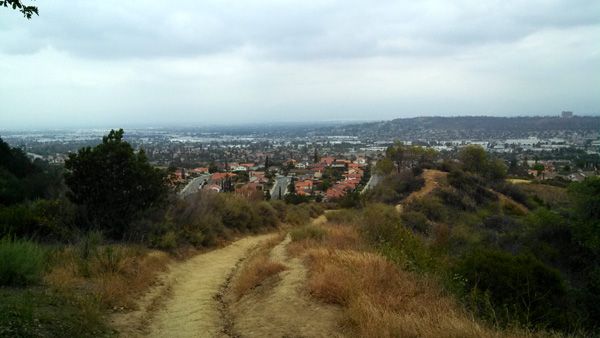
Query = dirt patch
x=184 y=303
x=432 y=181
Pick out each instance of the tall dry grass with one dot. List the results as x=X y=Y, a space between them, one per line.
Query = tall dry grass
x=113 y=276
x=258 y=268
x=382 y=301
x=378 y=298
x=255 y=273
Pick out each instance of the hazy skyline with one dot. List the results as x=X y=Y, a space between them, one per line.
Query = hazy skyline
x=97 y=63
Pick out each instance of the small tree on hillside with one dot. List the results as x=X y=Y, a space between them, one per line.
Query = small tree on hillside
x=474 y=159
x=113 y=183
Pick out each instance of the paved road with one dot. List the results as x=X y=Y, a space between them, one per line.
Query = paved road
x=280 y=182
x=194 y=185
x=373 y=181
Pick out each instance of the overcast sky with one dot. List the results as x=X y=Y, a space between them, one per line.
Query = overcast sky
x=147 y=62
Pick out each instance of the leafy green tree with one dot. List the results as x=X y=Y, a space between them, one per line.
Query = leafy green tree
x=474 y=159
x=586 y=195
x=539 y=168
x=21 y=179
x=113 y=183
x=395 y=153
x=27 y=11
x=385 y=166
x=496 y=169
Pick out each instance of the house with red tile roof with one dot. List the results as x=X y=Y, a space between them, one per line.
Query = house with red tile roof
x=328 y=160
x=217 y=178
x=335 y=192
x=200 y=170
x=304 y=187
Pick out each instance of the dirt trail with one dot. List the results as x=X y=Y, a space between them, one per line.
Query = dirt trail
x=283 y=308
x=184 y=304
x=432 y=178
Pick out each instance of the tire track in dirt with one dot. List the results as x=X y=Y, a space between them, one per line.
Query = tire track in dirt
x=283 y=308
x=187 y=304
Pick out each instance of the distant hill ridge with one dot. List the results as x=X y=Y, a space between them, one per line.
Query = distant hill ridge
x=470 y=127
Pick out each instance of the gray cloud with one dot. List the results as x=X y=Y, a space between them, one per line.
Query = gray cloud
x=155 y=61
x=288 y=29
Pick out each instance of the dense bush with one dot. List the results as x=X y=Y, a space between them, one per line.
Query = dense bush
x=351 y=199
x=416 y=221
x=513 y=191
x=22 y=180
x=455 y=199
x=21 y=262
x=381 y=224
x=281 y=209
x=506 y=288
x=202 y=218
x=297 y=214
x=429 y=206
x=395 y=187
x=472 y=185
x=50 y=220
x=475 y=160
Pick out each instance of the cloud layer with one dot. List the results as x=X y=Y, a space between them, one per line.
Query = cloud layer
x=155 y=62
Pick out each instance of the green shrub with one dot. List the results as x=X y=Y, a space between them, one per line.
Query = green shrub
x=87 y=248
x=238 y=214
x=297 y=215
x=267 y=215
x=44 y=219
x=513 y=191
x=395 y=187
x=168 y=241
x=315 y=210
x=456 y=199
x=431 y=207
x=37 y=312
x=472 y=185
x=281 y=209
x=417 y=222
x=110 y=259
x=195 y=238
x=21 y=262
x=516 y=287
x=307 y=232
x=383 y=227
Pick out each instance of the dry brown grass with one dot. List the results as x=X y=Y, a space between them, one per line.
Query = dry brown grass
x=113 y=283
x=338 y=236
x=254 y=273
x=383 y=301
x=379 y=299
x=258 y=268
